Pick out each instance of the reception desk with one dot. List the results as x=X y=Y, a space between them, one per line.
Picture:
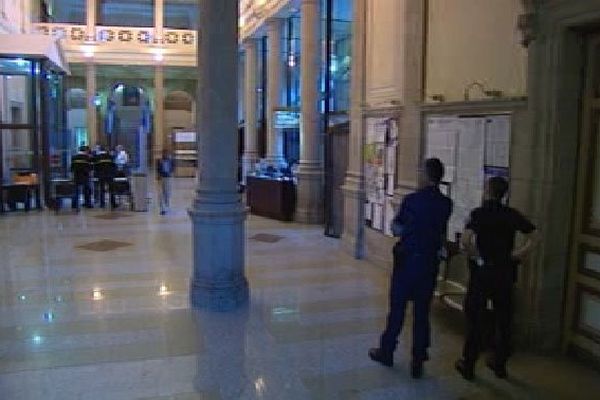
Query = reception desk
x=271 y=198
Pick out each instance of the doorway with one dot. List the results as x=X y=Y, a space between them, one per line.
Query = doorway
x=582 y=322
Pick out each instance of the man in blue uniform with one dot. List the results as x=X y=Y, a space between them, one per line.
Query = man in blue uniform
x=421 y=224
x=489 y=241
x=105 y=170
x=81 y=166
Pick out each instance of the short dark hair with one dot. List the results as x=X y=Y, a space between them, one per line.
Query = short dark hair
x=434 y=169
x=498 y=187
x=83 y=148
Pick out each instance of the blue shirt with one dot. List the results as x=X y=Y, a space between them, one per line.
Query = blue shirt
x=422 y=221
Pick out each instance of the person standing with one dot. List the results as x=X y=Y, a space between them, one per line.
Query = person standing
x=81 y=167
x=164 y=173
x=105 y=170
x=421 y=224
x=489 y=240
x=121 y=159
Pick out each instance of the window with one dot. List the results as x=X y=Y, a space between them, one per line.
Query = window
x=181 y=14
x=64 y=11
x=138 y=13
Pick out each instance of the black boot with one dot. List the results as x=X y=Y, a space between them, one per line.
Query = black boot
x=498 y=369
x=465 y=369
x=416 y=369
x=378 y=355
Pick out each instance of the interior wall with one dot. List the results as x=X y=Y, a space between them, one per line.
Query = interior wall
x=13 y=16
x=385 y=49
x=474 y=40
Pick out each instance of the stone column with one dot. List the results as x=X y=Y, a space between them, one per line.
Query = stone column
x=159 y=113
x=158 y=20
x=250 y=106
x=354 y=192
x=409 y=140
x=310 y=169
x=274 y=88
x=92 y=120
x=217 y=213
x=91 y=8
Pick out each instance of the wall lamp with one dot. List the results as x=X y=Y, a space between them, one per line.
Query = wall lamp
x=493 y=93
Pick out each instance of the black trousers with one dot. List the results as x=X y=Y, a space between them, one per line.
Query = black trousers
x=87 y=194
x=103 y=184
x=489 y=313
x=413 y=279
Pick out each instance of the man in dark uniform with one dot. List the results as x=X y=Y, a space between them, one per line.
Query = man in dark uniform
x=105 y=170
x=81 y=167
x=493 y=270
x=421 y=224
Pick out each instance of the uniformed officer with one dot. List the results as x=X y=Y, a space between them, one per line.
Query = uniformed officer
x=421 y=224
x=489 y=239
x=105 y=170
x=81 y=167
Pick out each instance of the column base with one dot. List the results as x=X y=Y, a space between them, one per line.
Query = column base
x=353 y=235
x=310 y=206
x=214 y=296
x=218 y=282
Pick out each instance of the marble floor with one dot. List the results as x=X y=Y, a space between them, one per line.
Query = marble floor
x=95 y=306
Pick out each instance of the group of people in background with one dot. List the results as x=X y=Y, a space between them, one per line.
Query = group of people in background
x=98 y=171
x=488 y=241
x=104 y=167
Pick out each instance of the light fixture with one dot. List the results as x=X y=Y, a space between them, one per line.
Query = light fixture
x=159 y=55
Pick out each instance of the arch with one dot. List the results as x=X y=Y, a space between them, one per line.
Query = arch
x=179 y=100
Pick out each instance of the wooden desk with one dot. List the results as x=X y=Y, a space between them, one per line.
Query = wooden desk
x=271 y=198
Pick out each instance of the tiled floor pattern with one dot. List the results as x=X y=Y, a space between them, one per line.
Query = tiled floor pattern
x=82 y=324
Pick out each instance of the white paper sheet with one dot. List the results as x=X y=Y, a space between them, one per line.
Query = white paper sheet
x=497 y=141
x=441 y=141
x=389 y=216
x=377 y=216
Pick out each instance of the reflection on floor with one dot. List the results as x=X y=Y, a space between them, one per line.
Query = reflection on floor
x=82 y=324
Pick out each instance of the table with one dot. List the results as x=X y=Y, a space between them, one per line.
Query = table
x=271 y=198
x=20 y=193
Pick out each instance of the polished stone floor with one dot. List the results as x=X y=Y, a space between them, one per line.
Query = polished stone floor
x=95 y=306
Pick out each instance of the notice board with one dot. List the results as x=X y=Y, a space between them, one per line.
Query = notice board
x=472 y=148
x=380 y=172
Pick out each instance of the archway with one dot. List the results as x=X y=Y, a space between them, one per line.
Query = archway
x=128 y=122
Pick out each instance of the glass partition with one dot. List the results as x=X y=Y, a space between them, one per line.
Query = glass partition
x=34 y=147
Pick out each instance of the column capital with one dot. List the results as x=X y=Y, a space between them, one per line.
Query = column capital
x=274 y=23
x=250 y=43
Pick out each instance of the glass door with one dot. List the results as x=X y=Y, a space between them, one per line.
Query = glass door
x=18 y=138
